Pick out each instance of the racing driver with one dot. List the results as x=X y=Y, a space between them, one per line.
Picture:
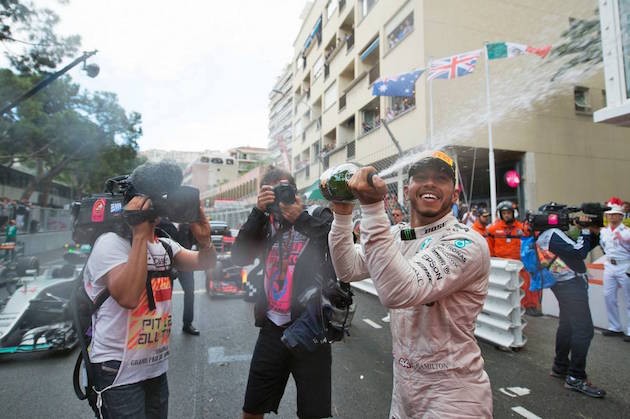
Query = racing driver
x=433 y=276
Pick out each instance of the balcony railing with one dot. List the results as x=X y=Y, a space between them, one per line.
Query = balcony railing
x=350 y=150
x=342 y=102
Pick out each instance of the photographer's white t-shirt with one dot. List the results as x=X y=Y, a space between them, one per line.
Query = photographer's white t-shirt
x=110 y=321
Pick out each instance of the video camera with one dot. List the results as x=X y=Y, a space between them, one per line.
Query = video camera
x=554 y=215
x=104 y=212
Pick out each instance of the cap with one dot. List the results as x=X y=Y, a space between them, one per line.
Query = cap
x=614 y=209
x=484 y=212
x=436 y=159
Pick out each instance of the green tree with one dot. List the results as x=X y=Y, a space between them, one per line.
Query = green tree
x=581 y=45
x=62 y=132
x=32 y=30
x=63 y=129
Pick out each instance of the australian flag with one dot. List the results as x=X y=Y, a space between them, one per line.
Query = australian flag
x=401 y=85
x=452 y=67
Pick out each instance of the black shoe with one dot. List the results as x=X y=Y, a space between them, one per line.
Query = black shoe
x=190 y=329
x=583 y=386
x=534 y=312
x=557 y=374
x=610 y=333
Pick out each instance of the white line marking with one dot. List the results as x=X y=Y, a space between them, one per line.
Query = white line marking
x=371 y=323
x=525 y=413
x=200 y=291
x=216 y=355
x=515 y=391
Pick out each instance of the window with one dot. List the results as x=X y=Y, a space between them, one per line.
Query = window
x=366 y=6
x=582 y=100
x=204 y=159
x=318 y=67
x=350 y=150
x=229 y=162
x=330 y=8
x=395 y=34
x=216 y=160
x=371 y=120
x=330 y=96
x=399 y=105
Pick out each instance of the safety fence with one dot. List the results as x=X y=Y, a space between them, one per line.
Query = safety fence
x=501 y=320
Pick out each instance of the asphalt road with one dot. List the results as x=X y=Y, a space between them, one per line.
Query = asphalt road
x=208 y=374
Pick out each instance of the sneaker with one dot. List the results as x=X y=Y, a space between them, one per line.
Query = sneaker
x=583 y=386
x=533 y=312
x=610 y=333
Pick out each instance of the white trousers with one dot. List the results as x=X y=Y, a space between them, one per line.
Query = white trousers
x=614 y=278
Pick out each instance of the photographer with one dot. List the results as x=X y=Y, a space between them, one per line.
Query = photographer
x=433 y=276
x=293 y=247
x=565 y=260
x=131 y=329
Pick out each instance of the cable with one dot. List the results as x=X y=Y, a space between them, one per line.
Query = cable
x=30 y=43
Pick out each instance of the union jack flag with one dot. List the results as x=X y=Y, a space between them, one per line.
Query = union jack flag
x=454 y=66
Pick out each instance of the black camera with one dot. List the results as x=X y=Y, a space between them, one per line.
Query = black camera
x=326 y=318
x=285 y=193
x=561 y=216
x=101 y=213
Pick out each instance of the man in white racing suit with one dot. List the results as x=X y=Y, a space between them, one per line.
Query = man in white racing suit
x=433 y=276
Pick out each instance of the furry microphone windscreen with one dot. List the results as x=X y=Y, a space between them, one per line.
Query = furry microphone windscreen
x=156 y=179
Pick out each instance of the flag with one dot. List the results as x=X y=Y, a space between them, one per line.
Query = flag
x=509 y=49
x=401 y=85
x=454 y=66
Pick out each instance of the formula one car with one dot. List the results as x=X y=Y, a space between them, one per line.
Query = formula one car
x=225 y=278
x=34 y=313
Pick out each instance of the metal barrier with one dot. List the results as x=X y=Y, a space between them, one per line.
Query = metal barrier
x=40 y=219
x=234 y=217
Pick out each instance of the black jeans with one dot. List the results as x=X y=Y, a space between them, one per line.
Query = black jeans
x=575 y=328
x=187 y=281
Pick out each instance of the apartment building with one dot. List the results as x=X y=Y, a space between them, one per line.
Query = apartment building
x=615 y=30
x=210 y=170
x=280 y=120
x=542 y=129
x=248 y=158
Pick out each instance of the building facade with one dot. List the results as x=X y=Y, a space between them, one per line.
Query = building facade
x=615 y=30
x=539 y=125
x=281 y=120
x=211 y=170
x=247 y=158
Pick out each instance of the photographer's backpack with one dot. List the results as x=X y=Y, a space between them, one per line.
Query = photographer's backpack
x=82 y=308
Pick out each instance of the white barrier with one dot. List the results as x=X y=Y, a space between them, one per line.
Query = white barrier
x=501 y=321
x=595 y=298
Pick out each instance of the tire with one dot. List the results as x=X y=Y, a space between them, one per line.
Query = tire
x=27 y=263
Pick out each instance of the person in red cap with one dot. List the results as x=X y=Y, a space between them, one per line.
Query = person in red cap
x=433 y=276
x=615 y=242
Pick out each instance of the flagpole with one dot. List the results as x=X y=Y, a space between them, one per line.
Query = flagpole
x=430 y=142
x=493 y=182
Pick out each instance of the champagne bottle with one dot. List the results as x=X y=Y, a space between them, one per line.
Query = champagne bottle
x=333 y=183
